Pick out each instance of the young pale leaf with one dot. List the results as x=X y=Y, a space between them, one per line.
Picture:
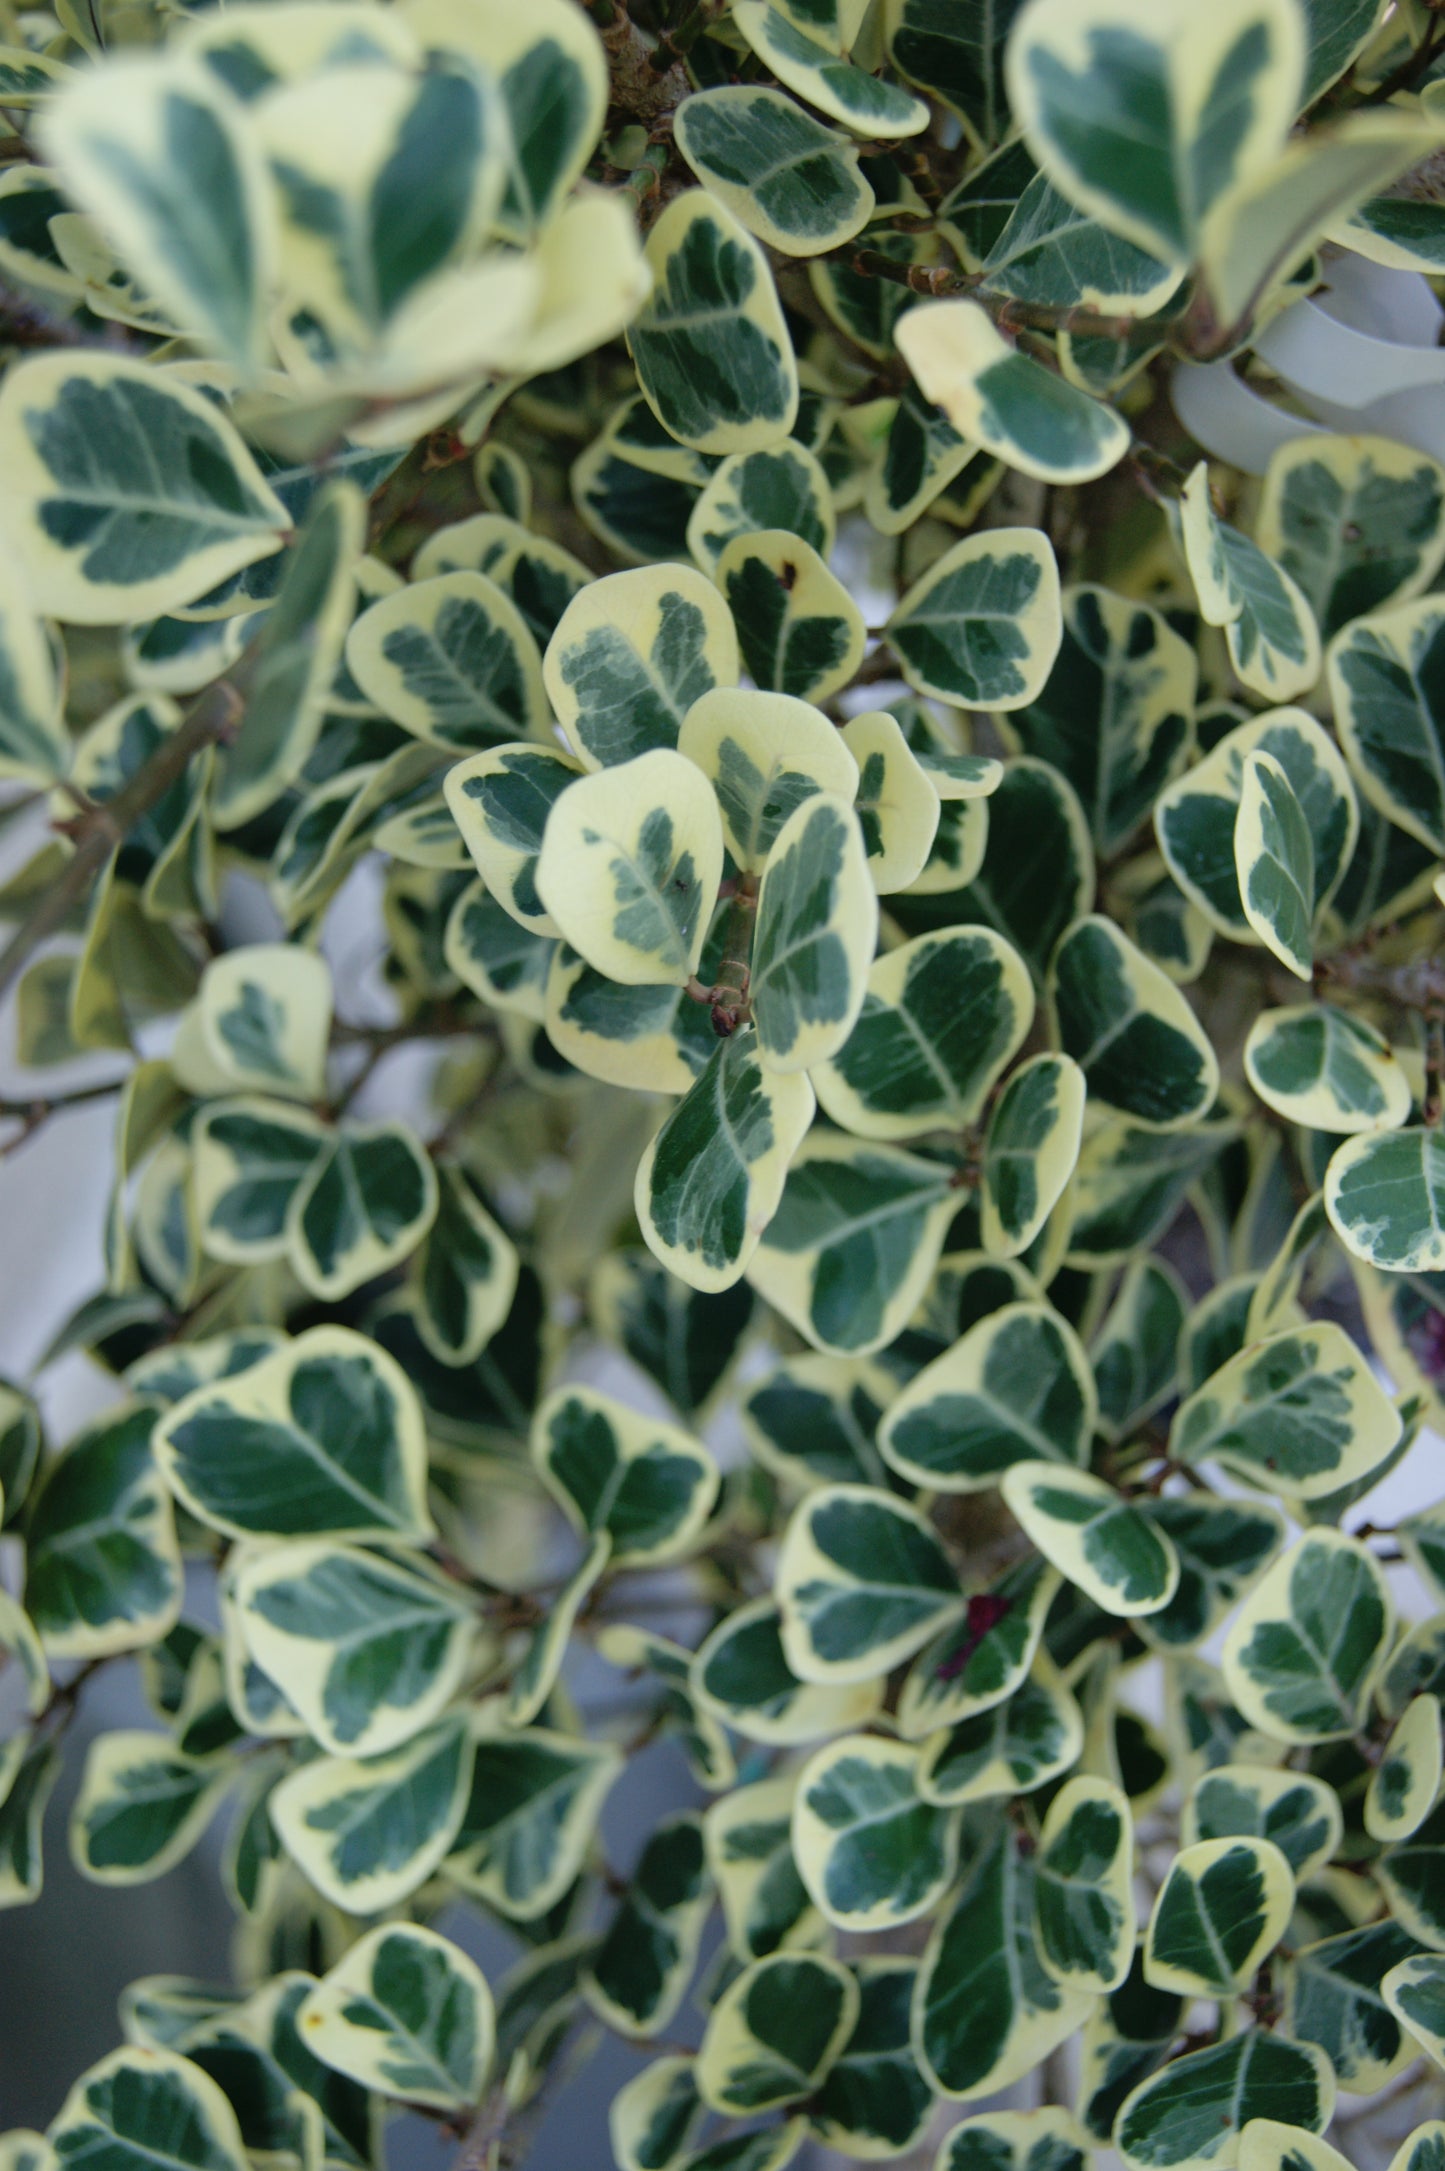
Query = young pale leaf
x=130 y=492
x=870 y=1850
x=1084 y=1886
x=260 y=1023
x=367 y=1649
x=1222 y=1907
x=1385 y=1196
x=452 y=660
x=157 y=153
x=103 y=1570
x=367 y=1834
x=1131 y=1031
x=142 y=1806
x=1274 y=643
x=764 y=754
x=1011 y=1748
x=551 y=74
x=985 y=2010
x=1327 y=1070
x=139 y=2107
x=647 y=1485
x=1297 y=1813
x=405 y=2012
x=362 y=1207
x=325 y=1439
x=534 y=1803
x=710 y=1181
x=1015 y=1388
x=1358 y=523
x=1030 y=1149
x=785 y=487
x=1307 y=1643
x=1108 y=1547
x=1299 y=1412
x=713 y=354
x=1415 y=1994
x=851 y=1249
x=1406 y=1782
x=982 y=627
x=630 y=866
x=815 y=69
x=799 y=630
x=1004 y=400
x=750 y=1854
x=898 y=802
x=1114 y=713
x=862 y=1582
x=1264 y=227
x=742 y=1674
x=1147 y=116
x=641 y=1970
x=775 y=2032
x=941 y=1018
x=792 y=182
x=629 y=657
x=817 y=922
x=1274 y=863
x=978 y=1660
x=1193 y=2113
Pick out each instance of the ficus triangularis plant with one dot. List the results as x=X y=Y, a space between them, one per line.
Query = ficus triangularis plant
x=651 y=545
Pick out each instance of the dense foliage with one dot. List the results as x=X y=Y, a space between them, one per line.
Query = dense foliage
x=926 y=1226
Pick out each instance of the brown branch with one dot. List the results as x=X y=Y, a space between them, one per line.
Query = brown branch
x=1409 y=72
x=25 y=323
x=32 y=1115
x=1417 y=986
x=215 y=716
x=938 y=282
